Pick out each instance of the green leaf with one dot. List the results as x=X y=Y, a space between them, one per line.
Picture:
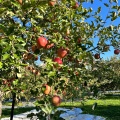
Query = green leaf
x=116 y=1
x=111 y=28
x=15 y=82
x=2 y=10
x=99 y=10
x=6 y=56
x=1 y=64
x=106 y=4
x=19 y=75
x=114 y=16
x=6 y=49
x=51 y=73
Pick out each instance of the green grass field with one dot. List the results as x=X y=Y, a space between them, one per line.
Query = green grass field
x=108 y=108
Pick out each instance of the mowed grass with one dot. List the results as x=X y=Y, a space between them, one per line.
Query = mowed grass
x=107 y=107
x=6 y=112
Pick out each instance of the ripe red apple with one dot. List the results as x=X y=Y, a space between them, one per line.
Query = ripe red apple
x=117 y=51
x=47 y=89
x=75 y=6
x=41 y=42
x=56 y=100
x=97 y=56
x=62 y=52
x=52 y=2
x=58 y=60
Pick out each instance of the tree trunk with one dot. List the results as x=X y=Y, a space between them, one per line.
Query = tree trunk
x=1 y=94
x=13 y=105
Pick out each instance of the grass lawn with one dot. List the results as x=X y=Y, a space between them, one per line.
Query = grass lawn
x=6 y=112
x=108 y=108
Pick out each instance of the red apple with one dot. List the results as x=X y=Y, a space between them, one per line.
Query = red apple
x=58 y=60
x=62 y=52
x=97 y=56
x=117 y=51
x=75 y=6
x=56 y=100
x=52 y=2
x=47 y=89
x=41 y=42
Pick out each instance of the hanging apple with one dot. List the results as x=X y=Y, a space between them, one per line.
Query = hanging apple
x=56 y=100
x=62 y=52
x=42 y=42
x=117 y=51
x=97 y=56
x=58 y=60
x=52 y=2
x=47 y=89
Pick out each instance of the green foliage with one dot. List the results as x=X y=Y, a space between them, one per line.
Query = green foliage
x=63 y=25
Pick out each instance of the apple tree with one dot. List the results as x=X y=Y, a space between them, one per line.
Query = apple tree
x=61 y=35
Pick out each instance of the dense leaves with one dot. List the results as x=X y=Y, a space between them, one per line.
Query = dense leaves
x=68 y=30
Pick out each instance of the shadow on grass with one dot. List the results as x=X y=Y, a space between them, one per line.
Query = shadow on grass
x=109 y=112
x=6 y=112
x=111 y=97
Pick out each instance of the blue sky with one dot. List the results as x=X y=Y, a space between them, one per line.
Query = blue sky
x=103 y=14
